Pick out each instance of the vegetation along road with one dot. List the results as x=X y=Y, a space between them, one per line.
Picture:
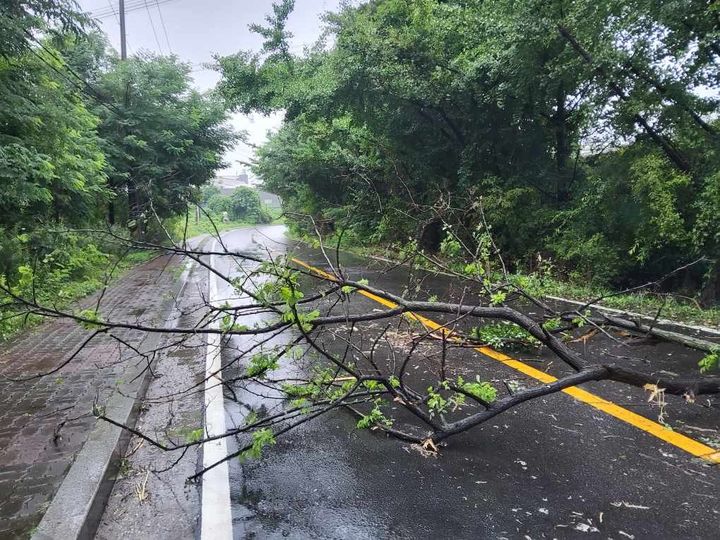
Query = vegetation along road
x=370 y=269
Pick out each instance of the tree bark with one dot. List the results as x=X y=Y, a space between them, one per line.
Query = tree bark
x=667 y=335
x=562 y=145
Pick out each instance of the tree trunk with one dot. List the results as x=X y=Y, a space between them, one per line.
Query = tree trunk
x=430 y=235
x=667 y=335
x=562 y=145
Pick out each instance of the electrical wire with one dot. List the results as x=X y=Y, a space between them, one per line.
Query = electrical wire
x=109 y=3
x=132 y=5
x=103 y=13
x=117 y=19
x=162 y=21
x=84 y=87
x=152 y=25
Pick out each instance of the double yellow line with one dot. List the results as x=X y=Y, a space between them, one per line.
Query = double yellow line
x=678 y=440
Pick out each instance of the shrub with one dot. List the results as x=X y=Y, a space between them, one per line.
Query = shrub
x=218 y=203
x=245 y=205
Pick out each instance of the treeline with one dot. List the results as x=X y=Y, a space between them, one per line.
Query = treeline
x=243 y=204
x=582 y=131
x=89 y=141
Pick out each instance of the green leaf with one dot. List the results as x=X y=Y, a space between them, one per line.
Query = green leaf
x=552 y=324
x=436 y=403
x=260 y=439
x=291 y=295
x=484 y=391
x=374 y=418
x=93 y=319
x=710 y=361
x=260 y=364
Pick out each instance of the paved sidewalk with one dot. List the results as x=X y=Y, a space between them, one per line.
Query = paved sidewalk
x=45 y=422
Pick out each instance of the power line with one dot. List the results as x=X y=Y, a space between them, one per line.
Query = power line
x=109 y=3
x=132 y=5
x=85 y=87
x=152 y=25
x=107 y=12
x=162 y=21
x=92 y=93
x=117 y=19
x=121 y=24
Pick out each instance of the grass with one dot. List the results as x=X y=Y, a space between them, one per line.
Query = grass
x=205 y=226
x=674 y=307
x=83 y=270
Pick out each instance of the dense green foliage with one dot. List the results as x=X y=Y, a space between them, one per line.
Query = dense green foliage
x=51 y=164
x=163 y=138
x=583 y=131
x=243 y=204
x=87 y=141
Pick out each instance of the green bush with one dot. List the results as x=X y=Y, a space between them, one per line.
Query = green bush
x=245 y=205
x=56 y=266
x=218 y=203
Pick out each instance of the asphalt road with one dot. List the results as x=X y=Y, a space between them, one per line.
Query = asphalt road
x=552 y=468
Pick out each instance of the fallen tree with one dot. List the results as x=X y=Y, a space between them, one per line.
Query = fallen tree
x=318 y=347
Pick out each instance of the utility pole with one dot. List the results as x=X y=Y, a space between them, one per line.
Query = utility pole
x=123 y=56
x=123 y=44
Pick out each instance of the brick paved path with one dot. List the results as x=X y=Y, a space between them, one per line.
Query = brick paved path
x=44 y=422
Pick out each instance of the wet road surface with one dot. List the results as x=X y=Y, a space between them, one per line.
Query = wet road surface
x=552 y=468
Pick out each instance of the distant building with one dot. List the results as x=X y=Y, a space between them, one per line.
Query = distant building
x=228 y=183
x=270 y=200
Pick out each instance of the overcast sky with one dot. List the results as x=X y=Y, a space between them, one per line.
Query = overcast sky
x=196 y=29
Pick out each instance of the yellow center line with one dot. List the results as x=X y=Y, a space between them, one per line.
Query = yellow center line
x=679 y=440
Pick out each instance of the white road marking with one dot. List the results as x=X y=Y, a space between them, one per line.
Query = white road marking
x=216 y=519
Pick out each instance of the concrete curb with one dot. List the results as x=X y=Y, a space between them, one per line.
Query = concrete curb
x=77 y=507
x=639 y=316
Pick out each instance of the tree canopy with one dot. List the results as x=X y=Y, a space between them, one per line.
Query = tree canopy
x=162 y=138
x=89 y=140
x=582 y=131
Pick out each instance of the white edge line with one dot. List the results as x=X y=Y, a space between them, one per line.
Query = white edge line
x=216 y=515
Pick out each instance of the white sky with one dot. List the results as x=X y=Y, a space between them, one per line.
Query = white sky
x=196 y=29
